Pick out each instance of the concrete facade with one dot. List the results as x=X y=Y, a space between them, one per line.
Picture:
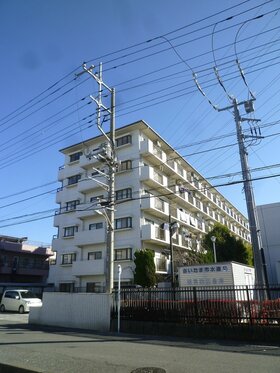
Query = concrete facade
x=269 y=221
x=22 y=262
x=152 y=182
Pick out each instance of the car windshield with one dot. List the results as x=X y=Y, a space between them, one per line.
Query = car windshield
x=27 y=294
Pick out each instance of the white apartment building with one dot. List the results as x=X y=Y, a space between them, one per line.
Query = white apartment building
x=269 y=217
x=152 y=182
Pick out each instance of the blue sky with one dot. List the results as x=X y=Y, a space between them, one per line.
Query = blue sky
x=46 y=42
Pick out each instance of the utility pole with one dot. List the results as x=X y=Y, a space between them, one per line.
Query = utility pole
x=111 y=211
x=107 y=155
x=248 y=188
x=171 y=232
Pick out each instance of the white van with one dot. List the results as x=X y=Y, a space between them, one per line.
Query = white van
x=19 y=300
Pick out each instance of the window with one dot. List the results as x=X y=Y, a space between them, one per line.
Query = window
x=123 y=254
x=158 y=177
x=149 y=221
x=12 y=294
x=71 y=205
x=94 y=287
x=95 y=255
x=97 y=173
x=73 y=179
x=69 y=231
x=159 y=204
x=124 y=194
x=123 y=223
x=96 y=198
x=125 y=166
x=161 y=263
x=52 y=259
x=67 y=287
x=68 y=258
x=96 y=226
x=75 y=156
x=180 y=170
x=123 y=140
x=3 y=261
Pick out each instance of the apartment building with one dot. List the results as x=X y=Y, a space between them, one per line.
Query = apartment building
x=269 y=217
x=153 y=183
x=23 y=262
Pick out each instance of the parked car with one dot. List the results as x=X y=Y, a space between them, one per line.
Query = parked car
x=19 y=300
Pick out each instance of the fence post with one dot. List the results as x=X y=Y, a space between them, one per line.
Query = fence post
x=249 y=305
x=195 y=304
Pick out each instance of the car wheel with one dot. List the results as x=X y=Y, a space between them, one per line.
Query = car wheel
x=21 y=309
x=2 y=308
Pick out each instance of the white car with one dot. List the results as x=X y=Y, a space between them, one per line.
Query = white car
x=19 y=300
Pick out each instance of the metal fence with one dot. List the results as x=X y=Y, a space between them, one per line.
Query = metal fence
x=201 y=305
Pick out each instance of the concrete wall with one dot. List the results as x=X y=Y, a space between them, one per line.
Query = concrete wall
x=84 y=311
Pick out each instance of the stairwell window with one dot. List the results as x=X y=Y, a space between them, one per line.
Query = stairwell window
x=96 y=226
x=125 y=166
x=72 y=205
x=95 y=255
x=70 y=231
x=123 y=254
x=73 y=179
x=123 y=223
x=75 y=156
x=123 y=140
x=96 y=199
x=68 y=258
x=123 y=194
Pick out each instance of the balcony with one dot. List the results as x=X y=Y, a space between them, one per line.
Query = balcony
x=87 y=163
x=152 y=152
x=66 y=171
x=155 y=206
x=86 y=210
x=88 y=267
x=56 y=219
x=90 y=237
x=61 y=173
x=154 y=234
x=86 y=184
x=153 y=178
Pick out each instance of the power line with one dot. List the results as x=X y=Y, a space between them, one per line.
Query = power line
x=161 y=195
x=127 y=48
x=28 y=190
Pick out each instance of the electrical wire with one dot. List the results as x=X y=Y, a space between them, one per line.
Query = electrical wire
x=162 y=195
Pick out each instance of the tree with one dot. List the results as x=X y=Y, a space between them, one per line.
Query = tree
x=228 y=248
x=145 y=270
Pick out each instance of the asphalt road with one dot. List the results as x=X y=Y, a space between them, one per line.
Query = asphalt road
x=59 y=350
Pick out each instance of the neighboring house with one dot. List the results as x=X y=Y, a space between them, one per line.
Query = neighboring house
x=152 y=181
x=269 y=221
x=22 y=263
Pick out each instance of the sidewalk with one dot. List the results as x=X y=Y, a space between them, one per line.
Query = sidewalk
x=60 y=350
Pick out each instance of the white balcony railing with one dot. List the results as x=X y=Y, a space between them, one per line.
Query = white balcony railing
x=90 y=237
x=154 y=233
x=88 y=267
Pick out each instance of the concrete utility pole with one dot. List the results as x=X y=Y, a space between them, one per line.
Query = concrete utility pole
x=248 y=188
x=107 y=155
x=111 y=211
